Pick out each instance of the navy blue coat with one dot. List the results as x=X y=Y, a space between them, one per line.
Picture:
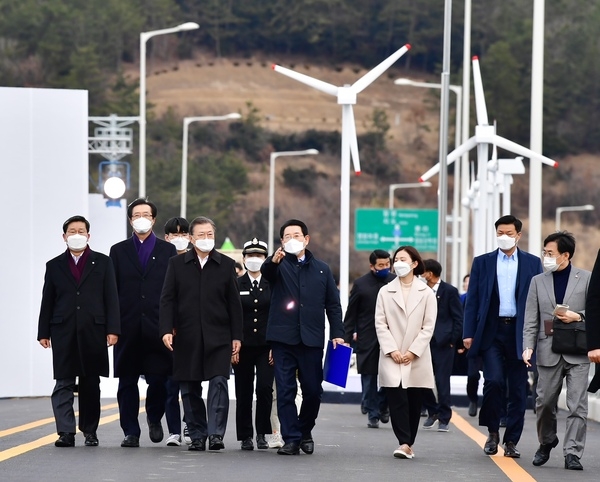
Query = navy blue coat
x=76 y=317
x=255 y=305
x=449 y=321
x=301 y=294
x=140 y=349
x=479 y=323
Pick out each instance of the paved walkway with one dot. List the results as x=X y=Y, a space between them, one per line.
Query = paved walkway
x=345 y=450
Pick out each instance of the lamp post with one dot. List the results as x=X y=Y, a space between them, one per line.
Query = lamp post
x=456 y=205
x=562 y=209
x=184 y=151
x=275 y=155
x=144 y=36
x=393 y=187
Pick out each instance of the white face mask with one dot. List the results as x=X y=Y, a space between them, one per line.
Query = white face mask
x=142 y=225
x=293 y=246
x=179 y=243
x=253 y=264
x=205 y=245
x=402 y=269
x=550 y=264
x=77 y=242
x=505 y=242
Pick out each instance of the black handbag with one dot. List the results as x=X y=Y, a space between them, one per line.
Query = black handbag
x=569 y=338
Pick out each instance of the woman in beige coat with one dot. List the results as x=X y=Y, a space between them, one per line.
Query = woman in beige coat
x=404 y=319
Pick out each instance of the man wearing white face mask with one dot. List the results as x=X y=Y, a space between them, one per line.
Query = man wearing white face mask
x=493 y=329
x=201 y=323
x=140 y=266
x=562 y=283
x=255 y=355
x=303 y=290
x=79 y=318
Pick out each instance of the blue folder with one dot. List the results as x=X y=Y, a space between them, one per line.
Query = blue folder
x=337 y=364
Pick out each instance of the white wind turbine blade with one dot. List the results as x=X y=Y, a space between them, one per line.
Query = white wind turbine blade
x=348 y=111
x=480 y=107
x=522 y=151
x=305 y=79
x=453 y=156
x=366 y=80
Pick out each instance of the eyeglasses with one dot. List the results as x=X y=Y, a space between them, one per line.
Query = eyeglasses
x=550 y=254
x=296 y=236
x=141 y=215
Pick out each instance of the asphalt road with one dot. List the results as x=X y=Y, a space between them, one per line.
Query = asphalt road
x=345 y=450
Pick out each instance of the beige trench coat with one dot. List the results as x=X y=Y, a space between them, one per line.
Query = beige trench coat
x=405 y=327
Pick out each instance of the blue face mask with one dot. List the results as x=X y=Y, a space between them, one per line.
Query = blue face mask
x=382 y=273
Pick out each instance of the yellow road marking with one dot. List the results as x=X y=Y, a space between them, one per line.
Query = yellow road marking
x=512 y=470
x=48 y=439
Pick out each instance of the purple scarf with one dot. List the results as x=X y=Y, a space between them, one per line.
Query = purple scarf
x=144 y=249
x=77 y=269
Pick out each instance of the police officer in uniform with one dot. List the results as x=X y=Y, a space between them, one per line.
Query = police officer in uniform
x=255 y=354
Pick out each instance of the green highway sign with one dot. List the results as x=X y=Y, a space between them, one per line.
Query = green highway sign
x=389 y=228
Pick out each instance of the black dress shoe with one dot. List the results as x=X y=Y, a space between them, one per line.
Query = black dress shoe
x=543 y=453
x=91 y=440
x=289 y=449
x=215 y=442
x=247 y=444
x=307 y=445
x=510 y=450
x=197 y=445
x=384 y=416
x=261 y=442
x=491 y=444
x=363 y=409
x=130 y=441
x=472 y=409
x=572 y=462
x=156 y=431
x=65 y=439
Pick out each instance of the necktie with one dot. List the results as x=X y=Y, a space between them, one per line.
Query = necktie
x=255 y=285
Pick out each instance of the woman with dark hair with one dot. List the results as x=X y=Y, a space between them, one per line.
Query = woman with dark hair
x=404 y=319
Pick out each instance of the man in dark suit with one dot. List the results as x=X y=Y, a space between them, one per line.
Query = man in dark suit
x=493 y=329
x=303 y=290
x=140 y=266
x=359 y=324
x=592 y=322
x=448 y=330
x=79 y=318
x=201 y=322
x=255 y=355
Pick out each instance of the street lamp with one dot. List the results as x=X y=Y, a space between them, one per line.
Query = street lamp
x=456 y=205
x=144 y=36
x=560 y=210
x=184 y=151
x=275 y=155
x=393 y=187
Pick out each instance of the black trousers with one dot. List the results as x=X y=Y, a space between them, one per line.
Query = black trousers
x=128 y=396
x=89 y=404
x=253 y=358
x=443 y=358
x=405 y=412
x=195 y=411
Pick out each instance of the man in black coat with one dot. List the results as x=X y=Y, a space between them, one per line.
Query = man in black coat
x=359 y=324
x=448 y=330
x=79 y=318
x=140 y=266
x=303 y=290
x=201 y=322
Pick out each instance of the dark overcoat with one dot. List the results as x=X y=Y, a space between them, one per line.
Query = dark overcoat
x=202 y=306
x=77 y=317
x=140 y=350
x=360 y=319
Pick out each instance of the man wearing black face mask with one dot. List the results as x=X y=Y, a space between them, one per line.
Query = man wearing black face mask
x=359 y=324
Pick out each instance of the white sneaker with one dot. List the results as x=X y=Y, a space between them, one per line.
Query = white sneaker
x=275 y=441
x=186 y=435
x=403 y=452
x=174 y=440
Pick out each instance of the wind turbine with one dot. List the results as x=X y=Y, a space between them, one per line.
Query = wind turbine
x=485 y=134
x=346 y=97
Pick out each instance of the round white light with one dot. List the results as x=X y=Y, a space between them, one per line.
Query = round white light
x=114 y=187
